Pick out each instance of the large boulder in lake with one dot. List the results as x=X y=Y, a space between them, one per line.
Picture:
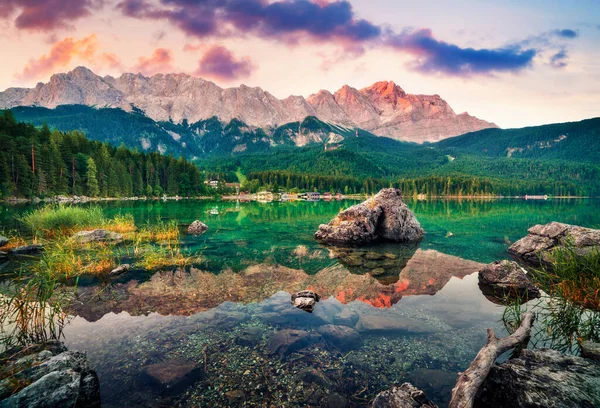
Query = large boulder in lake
x=506 y=281
x=197 y=227
x=383 y=217
x=542 y=378
x=48 y=375
x=535 y=248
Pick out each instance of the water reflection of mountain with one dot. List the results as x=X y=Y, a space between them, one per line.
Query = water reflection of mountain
x=189 y=292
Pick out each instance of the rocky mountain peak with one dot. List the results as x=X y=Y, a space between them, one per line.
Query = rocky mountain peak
x=383 y=108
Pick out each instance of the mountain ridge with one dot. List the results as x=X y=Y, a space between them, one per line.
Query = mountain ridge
x=383 y=108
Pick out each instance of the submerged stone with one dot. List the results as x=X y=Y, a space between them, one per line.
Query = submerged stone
x=340 y=337
x=287 y=341
x=120 y=269
x=171 y=372
x=3 y=241
x=402 y=396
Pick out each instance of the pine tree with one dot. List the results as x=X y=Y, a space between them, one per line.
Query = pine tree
x=91 y=178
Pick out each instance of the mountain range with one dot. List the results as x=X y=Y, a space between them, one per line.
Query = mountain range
x=384 y=109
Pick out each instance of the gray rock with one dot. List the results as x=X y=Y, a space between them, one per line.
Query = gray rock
x=27 y=249
x=98 y=235
x=120 y=269
x=287 y=341
x=197 y=228
x=3 y=241
x=249 y=337
x=173 y=372
x=305 y=300
x=336 y=400
x=542 y=378
x=3 y=256
x=590 y=350
x=403 y=396
x=341 y=337
x=384 y=217
x=535 y=247
x=56 y=378
x=506 y=280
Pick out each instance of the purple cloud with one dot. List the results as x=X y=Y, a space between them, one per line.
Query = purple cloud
x=220 y=63
x=47 y=15
x=559 y=60
x=437 y=56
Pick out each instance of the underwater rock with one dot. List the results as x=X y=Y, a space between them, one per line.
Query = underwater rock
x=403 y=396
x=541 y=378
x=235 y=397
x=197 y=227
x=287 y=341
x=346 y=318
x=98 y=235
x=341 y=337
x=590 y=350
x=172 y=372
x=249 y=337
x=385 y=217
x=543 y=238
x=305 y=300
x=27 y=249
x=3 y=241
x=506 y=280
x=54 y=377
x=3 y=256
x=336 y=400
x=311 y=375
x=120 y=269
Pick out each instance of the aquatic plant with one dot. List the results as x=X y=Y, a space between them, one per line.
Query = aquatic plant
x=33 y=312
x=52 y=220
x=160 y=231
x=572 y=275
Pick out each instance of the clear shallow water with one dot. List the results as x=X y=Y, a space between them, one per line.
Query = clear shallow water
x=421 y=320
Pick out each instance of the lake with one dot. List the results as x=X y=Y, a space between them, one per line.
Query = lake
x=224 y=333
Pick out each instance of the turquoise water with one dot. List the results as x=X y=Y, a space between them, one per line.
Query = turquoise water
x=224 y=333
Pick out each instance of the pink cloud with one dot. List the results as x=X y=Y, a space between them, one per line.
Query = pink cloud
x=46 y=15
x=60 y=55
x=161 y=61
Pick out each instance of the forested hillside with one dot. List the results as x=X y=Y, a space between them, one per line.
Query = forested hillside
x=40 y=162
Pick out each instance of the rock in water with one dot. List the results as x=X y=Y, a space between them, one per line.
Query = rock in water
x=49 y=376
x=120 y=269
x=403 y=396
x=384 y=216
x=542 y=378
x=3 y=241
x=98 y=235
x=341 y=337
x=590 y=350
x=305 y=300
x=502 y=280
x=197 y=228
x=543 y=238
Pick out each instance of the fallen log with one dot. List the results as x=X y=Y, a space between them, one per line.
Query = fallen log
x=469 y=382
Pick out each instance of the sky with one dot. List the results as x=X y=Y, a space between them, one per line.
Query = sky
x=515 y=63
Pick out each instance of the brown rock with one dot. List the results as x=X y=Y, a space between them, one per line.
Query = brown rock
x=403 y=396
x=171 y=371
x=506 y=280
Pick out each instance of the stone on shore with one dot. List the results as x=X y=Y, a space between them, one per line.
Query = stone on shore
x=383 y=217
x=590 y=350
x=50 y=376
x=402 y=396
x=197 y=227
x=98 y=235
x=27 y=249
x=506 y=280
x=543 y=238
x=541 y=378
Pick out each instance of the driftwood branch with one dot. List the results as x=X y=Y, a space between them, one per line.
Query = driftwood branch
x=469 y=382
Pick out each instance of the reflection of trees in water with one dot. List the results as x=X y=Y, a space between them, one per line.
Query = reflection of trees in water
x=560 y=324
